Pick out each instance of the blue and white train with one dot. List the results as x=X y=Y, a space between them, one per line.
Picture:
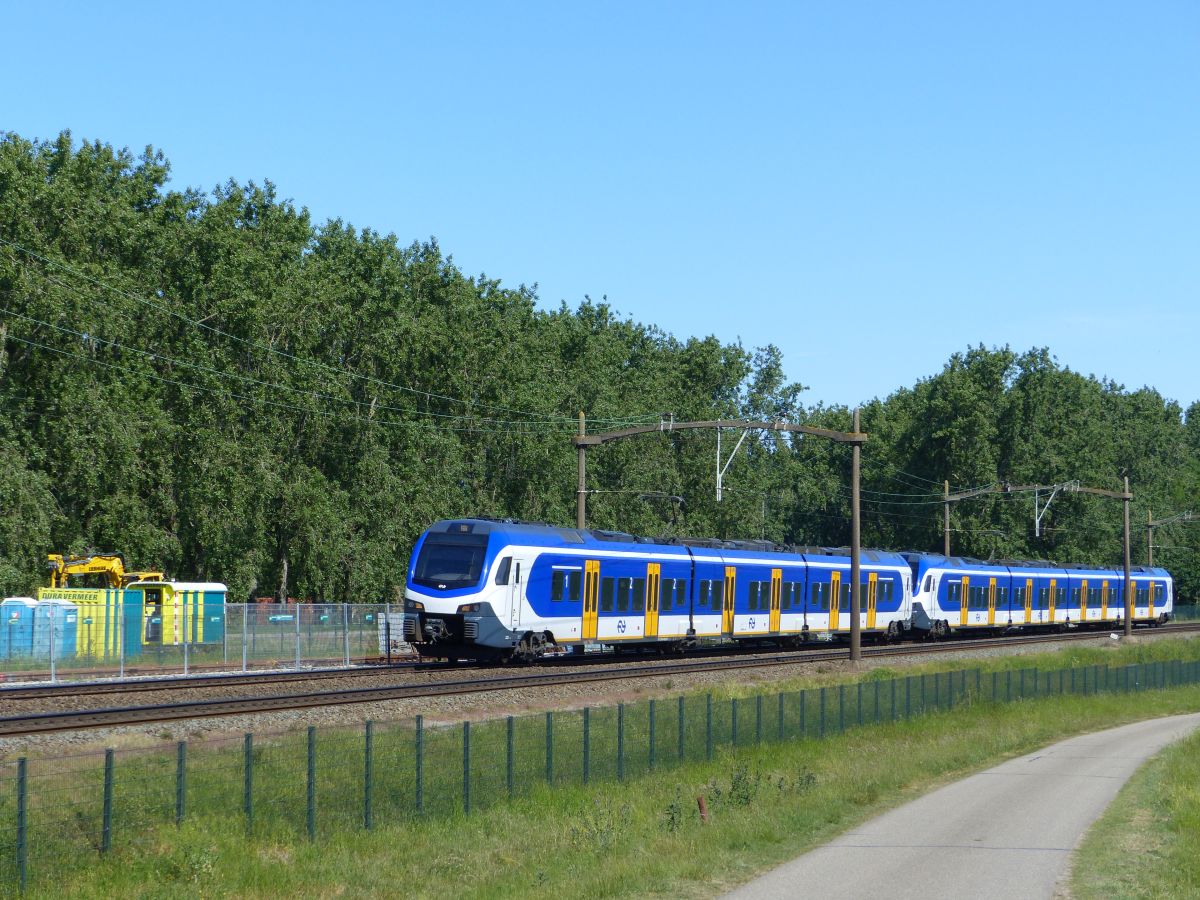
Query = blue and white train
x=485 y=589
x=480 y=588
x=962 y=595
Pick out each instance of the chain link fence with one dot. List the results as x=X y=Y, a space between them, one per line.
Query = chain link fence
x=55 y=812
x=253 y=636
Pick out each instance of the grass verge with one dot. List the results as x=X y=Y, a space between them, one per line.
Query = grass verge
x=643 y=837
x=1147 y=843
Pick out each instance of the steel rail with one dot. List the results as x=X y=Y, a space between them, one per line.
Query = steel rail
x=165 y=712
x=40 y=690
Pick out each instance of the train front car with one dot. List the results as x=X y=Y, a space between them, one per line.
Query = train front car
x=480 y=589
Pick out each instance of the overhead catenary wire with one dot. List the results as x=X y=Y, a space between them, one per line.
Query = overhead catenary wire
x=276 y=351
x=155 y=356
x=264 y=402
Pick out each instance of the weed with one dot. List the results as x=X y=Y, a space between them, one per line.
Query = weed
x=598 y=826
x=674 y=816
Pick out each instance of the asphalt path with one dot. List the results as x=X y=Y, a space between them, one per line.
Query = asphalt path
x=1007 y=832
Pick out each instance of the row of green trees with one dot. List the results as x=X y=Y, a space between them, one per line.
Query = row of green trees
x=217 y=385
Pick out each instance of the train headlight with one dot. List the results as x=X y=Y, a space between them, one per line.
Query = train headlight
x=414 y=605
x=468 y=608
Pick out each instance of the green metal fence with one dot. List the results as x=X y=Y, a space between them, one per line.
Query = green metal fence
x=57 y=812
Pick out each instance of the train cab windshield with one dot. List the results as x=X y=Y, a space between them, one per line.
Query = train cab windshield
x=449 y=561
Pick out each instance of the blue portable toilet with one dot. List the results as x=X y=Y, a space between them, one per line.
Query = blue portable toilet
x=16 y=627
x=56 y=620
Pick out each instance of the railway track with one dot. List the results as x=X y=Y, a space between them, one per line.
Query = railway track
x=38 y=723
x=39 y=690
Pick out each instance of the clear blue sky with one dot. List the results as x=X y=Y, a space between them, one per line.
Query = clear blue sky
x=870 y=186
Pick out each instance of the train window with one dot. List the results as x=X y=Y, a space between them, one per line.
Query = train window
x=608 y=589
x=928 y=583
x=1002 y=596
x=558 y=582
x=502 y=570
x=624 y=589
x=954 y=592
x=575 y=586
x=680 y=593
x=702 y=593
x=883 y=592
x=785 y=595
x=664 y=595
x=718 y=596
x=846 y=597
x=817 y=600
x=639 y=594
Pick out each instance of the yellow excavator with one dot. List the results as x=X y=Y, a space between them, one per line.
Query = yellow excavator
x=109 y=565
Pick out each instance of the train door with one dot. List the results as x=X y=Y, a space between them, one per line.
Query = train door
x=964 y=599
x=1104 y=599
x=1053 y=597
x=591 y=598
x=776 y=590
x=1083 y=598
x=1150 y=600
x=154 y=615
x=872 y=591
x=727 y=610
x=518 y=572
x=1028 y=600
x=992 y=602
x=653 y=579
x=835 y=601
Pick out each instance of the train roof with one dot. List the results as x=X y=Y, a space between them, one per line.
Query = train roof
x=542 y=534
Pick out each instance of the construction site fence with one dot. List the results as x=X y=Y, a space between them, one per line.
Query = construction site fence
x=254 y=636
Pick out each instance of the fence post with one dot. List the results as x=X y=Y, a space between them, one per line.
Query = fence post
x=248 y=779
x=511 y=772
x=550 y=747
x=758 y=705
x=651 y=750
x=419 y=737
x=877 y=702
x=22 y=840
x=106 y=824
x=893 y=680
x=587 y=744
x=346 y=633
x=368 y=772
x=803 y=713
x=821 y=723
x=180 y=780
x=245 y=628
x=311 y=812
x=53 y=621
x=782 y=726
x=620 y=742
x=907 y=696
x=858 y=704
x=185 y=644
x=680 y=730
x=841 y=708
x=121 y=636
x=708 y=736
x=297 y=607
x=467 y=768
x=733 y=720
